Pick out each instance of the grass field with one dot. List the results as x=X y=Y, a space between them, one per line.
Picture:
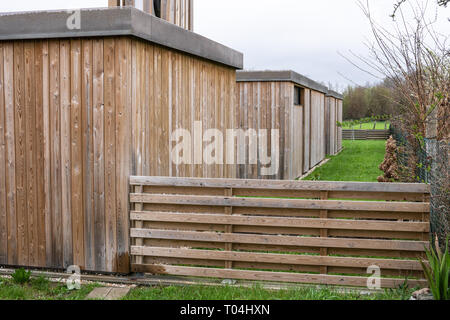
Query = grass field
x=359 y=161
x=369 y=126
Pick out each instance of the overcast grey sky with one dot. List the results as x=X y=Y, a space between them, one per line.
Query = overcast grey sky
x=303 y=35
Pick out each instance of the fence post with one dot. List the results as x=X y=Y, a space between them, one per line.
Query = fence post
x=139 y=225
x=438 y=151
x=229 y=228
x=324 y=232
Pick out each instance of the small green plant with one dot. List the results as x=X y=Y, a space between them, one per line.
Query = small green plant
x=21 y=276
x=437 y=271
x=41 y=283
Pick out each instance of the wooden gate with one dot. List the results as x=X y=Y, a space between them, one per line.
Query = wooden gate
x=279 y=231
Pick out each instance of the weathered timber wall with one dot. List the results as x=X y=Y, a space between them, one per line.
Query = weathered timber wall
x=333 y=133
x=77 y=118
x=270 y=105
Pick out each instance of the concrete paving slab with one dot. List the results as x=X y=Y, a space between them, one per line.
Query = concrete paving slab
x=117 y=293
x=99 y=293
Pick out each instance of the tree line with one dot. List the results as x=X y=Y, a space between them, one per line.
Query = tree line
x=369 y=101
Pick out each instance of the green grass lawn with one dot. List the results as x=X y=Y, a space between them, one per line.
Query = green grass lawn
x=41 y=289
x=258 y=293
x=359 y=161
x=369 y=126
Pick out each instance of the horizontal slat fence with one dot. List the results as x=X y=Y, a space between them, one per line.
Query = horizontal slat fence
x=365 y=134
x=286 y=231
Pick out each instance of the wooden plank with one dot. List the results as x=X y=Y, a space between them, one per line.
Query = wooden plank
x=110 y=155
x=282 y=203
x=294 y=231
x=164 y=136
x=324 y=231
x=40 y=151
x=144 y=105
x=307 y=131
x=66 y=166
x=31 y=150
x=136 y=157
x=21 y=153
x=229 y=227
x=123 y=149
x=8 y=62
x=146 y=161
x=88 y=152
x=192 y=110
x=280 y=193
x=46 y=152
x=3 y=210
x=139 y=225
x=113 y=3
x=417 y=246
x=77 y=154
x=99 y=154
x=55 y=153
x=323 y=223
x=191 y=15
x=157 y=129
x=290 y=185
x=350 y=262
x=272 y=276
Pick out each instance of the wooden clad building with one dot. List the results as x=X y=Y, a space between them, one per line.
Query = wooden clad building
x=179 y=12
x=294 y=105
x=82 y=108
x=333 y=115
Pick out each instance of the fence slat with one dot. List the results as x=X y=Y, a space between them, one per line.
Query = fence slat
x=281 y=184
x=281 y=222
x=418 y=246
x=271 y=276
x=277 y=203
x=276 y=258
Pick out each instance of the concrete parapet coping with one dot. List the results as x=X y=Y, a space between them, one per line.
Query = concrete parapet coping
x=118 y=21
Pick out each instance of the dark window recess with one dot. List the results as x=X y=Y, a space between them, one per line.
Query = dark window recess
x=157 y=8
x=298 y=96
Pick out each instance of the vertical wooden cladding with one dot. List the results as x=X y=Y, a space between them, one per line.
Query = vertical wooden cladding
x=340 y=112
x=177 y=91
x=55 y=152
x=77 y=118
x=265 y=106
x=179 y=12
x=333 y=133
x=317 y=150
x=270 y=105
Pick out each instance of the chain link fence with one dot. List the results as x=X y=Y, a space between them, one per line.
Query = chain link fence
x=440 y=188
x=427 y=162
x=414 y=160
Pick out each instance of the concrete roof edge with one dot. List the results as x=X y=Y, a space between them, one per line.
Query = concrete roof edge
x=335 y=94
x=118 y=21
x=284 y=75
